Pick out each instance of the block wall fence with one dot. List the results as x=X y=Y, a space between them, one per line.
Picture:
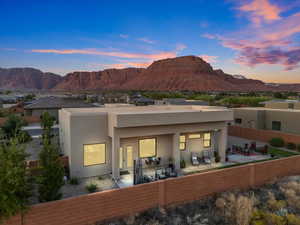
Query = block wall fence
x=91 y=208
x=262 y=135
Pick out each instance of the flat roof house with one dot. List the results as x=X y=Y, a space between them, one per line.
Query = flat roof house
x=107 y=140
x=278 y=119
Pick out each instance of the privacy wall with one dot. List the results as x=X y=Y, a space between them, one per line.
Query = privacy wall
x=88 y=209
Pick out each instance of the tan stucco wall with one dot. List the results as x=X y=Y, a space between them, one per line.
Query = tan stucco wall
x=250 y=118
x=297 y=105
x=88 y=130
x=290 y=119
x=277 y=105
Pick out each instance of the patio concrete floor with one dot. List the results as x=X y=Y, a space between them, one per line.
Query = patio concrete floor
x=105 y=183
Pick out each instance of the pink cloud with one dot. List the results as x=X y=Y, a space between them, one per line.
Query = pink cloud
x=290 y=59
x=284 y=29
x=209 y=58
x=156 y=56
x=243 y=44
x=261 y=11
x=269 y=43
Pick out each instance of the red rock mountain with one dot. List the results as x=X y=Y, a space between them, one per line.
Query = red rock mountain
x=27 y=78
x=110 y=79
x=181 y=73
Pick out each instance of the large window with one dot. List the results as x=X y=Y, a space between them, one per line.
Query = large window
x=94 y=154
x=207 y=140
x=182 y=142
x=147 y=147
x=276 y=125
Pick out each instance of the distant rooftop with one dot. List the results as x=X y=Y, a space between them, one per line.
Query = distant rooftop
x=53 y=102
x=280 y=101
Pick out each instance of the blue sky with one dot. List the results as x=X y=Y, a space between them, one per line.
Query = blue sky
x=256 y=38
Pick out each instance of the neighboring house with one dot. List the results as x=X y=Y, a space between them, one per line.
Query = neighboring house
x=179 y=101
x=107 y=140
x=9 y=99
x=142 y=101
x=114 y=98
x=52 y=105
x=284 y=120
x=282 y=104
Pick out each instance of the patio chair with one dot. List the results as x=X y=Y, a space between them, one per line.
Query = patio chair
x=194 y=159
x=207 y=157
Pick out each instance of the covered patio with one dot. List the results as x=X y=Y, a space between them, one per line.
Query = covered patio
x=151 y=156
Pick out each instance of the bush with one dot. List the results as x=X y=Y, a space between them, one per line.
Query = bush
x=91 y=188
x=277 y=142
x=291 y=146
x=100 y=178
x=74 y=181
x=182 y=164
x=298 y=147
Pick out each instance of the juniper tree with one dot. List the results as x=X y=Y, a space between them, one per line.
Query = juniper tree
x=15 y=181
x=52 y=173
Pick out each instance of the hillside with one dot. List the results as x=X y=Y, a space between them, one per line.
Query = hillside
x=27 y=78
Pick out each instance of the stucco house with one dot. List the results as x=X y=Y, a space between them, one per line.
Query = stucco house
x=107 y=140
x=278 y=119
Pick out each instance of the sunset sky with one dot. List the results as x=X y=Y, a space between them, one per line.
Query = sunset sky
x=256 y=38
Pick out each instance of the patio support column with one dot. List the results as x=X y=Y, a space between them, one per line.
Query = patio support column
x=115 y=156
x=176 y=151
x=222 y=143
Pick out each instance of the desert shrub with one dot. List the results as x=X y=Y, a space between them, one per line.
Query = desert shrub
x=291 y=145
x=277 y=142
x=291 y=191
x=91 y=188
x=264 y=218
x=74 y=181
x=273 y=204
x=292 y=219
x=236 y=208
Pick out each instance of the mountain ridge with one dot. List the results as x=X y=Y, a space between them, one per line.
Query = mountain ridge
x=180 y=73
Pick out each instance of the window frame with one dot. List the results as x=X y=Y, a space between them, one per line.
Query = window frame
x=194 y=137
x=139 y=148
x=204 y=140
x=105 y=151
x=182 y=142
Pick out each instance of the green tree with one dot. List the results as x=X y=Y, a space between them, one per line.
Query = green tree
x=52 y=173
x=15 y=181
x=47 y=122
x=12 y=128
